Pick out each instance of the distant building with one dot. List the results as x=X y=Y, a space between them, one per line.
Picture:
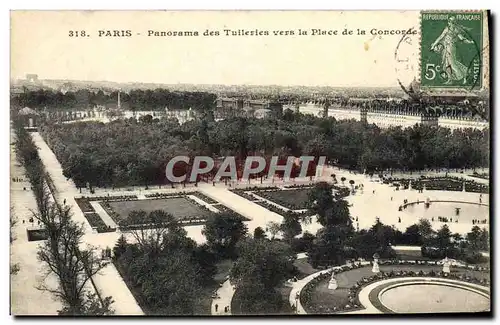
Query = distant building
x=228 y=107
x=232 y=107
x=32 y=77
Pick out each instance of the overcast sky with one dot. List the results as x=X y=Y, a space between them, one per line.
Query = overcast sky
x=40 y=44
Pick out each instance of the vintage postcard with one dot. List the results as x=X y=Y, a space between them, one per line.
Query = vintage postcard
x=227 y=163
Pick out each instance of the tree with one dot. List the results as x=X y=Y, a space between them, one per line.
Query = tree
x=149 y=229
x=412 y=235
x=443 y=239
x=169 y=281
x=484 y=240
x=274 y=228
x=290 y=227
x=261 y=266
x=223 y=231
x=120 y=246
x=170 y=284
x=206 y=261
x=425 y=230
x=478 y=239
x=329 y=247
x=329 y=212
x=74 y=267
x=259 y=233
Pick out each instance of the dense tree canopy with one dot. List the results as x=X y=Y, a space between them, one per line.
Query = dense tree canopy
x=126 y=152
x=168 y=278
x=262 y=265
x=330 y=245
x=223 y=231
x=83 y=99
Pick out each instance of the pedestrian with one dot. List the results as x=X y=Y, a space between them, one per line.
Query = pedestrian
x=64 y=202
x=216 y=307
x=225 y=309
x=391 y=198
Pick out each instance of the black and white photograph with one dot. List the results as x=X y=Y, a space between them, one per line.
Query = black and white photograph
x=250 y=163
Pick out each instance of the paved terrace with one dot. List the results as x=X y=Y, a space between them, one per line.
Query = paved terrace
x=25 y=298
x=108 y=282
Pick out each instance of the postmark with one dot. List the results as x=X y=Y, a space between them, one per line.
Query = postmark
x=450 y=50
x=406 y=62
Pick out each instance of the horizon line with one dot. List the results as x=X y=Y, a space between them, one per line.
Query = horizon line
x=207 y=84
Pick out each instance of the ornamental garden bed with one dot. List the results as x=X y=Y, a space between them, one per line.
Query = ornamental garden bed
x=275 y=209
x=224 y=209
x=37 y=234
x=84 y=204
x=245 y=195
x=92 y=217
x=439 y=184
x=316 y=298
x=166 y=195
x=204 y=198
x=187 y=211
x=96 y=222
x=295 y=199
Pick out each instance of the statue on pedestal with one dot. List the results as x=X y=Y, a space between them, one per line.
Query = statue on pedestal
x=375 y=268
x=332 y=284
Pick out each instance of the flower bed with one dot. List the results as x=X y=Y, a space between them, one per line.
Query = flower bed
x=439 y=184
x=109 y=210
x=275 y=209
x=354 y=290
x=96 y=222
x=224 y=209
x=204 y=198
x=307 y=291
x=352 y=301
x=244 y=195
x=37 y=234
x=295 y=199
x=166 y=195
x=84 y=204
x=112 y=198
x=258 y=188
x=480 y=175
x=298 y=186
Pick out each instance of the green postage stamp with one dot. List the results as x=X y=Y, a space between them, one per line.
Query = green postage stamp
x=450 y=49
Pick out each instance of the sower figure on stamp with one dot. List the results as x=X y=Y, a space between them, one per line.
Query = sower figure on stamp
x=447 y=44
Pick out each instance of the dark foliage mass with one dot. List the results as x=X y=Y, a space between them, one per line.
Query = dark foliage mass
x=83 y=99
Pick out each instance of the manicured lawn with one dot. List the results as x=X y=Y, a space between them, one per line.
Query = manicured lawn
x=292 y=199
x=179 y=207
